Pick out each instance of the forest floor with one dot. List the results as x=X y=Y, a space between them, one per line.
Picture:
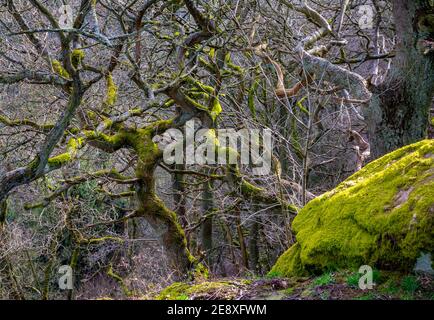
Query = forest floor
x=329 y=286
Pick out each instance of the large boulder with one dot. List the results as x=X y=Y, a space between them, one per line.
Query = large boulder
x=382 y=216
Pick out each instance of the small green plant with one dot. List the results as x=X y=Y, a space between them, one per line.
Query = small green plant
x=390 y=288
x=325 y=279
x=182 y=297
x=353 y=280
x=273 y=275
x=376 y=276
x=409 y=284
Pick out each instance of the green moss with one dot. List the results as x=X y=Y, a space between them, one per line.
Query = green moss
x=195 y=103
x=199 y=85
x=381 y=216
x=211 y=68
x=181 y=291
x=92 y=115
x=299 y=105
x=112 y=91
x=60 y=159
x=211 y=53
x=72 y=148
x=74 y=144
x=169 y=103
x=114 y=140
x=231 y=65
x=141 y=141
x=174 y=291
x=198 y=95
x=200 y=271
x=207 y=287
x=77 y=57
x=108 y=123
x=216 y=109
x=251 y=97
x=163 y=36
x=59 y=69
x=127 y=292
x=289 y=262
x=249 y=189
x=235 y=68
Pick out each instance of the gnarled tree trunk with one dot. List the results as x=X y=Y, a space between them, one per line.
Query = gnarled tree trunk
x=399 y=111
x=163 y=220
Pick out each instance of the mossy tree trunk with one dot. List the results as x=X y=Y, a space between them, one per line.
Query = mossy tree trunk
x=399 y=111
x=166 y=225
x=163 y=220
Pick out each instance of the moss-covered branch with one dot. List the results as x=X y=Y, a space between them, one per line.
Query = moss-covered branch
x=25 y=122
x=127 y=292
x=35 y=77
x=257 y=194
x=73 y=146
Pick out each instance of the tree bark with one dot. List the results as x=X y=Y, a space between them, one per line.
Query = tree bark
x=179 y=195
x=253 y=247
x=166 y=225
x=207 y=225
x=243 y=249
x=399 y=110
x=164 y=221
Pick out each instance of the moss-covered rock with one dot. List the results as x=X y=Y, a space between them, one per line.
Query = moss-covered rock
x=382 y=216
x=207 y=290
